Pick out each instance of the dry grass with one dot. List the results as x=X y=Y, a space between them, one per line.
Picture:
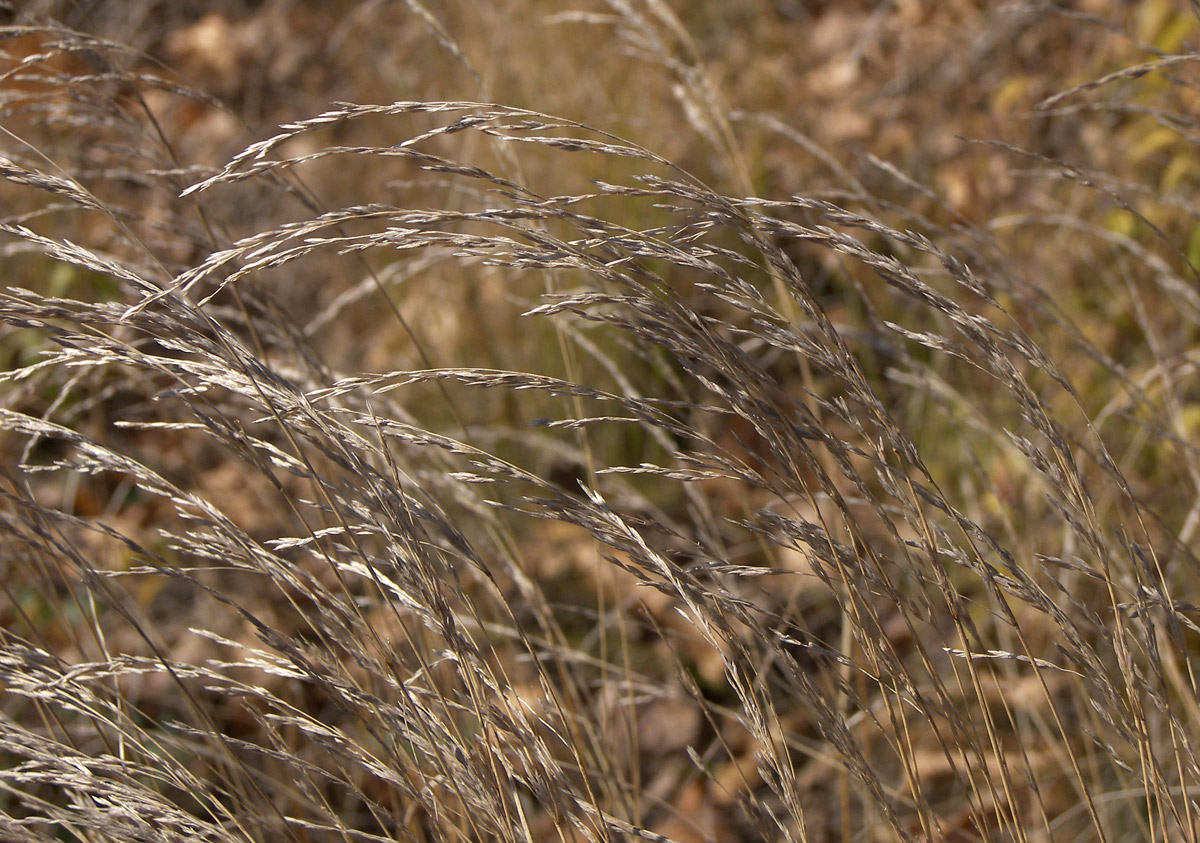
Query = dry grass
x=450 y=470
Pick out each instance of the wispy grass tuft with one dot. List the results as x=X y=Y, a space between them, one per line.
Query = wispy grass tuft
x=546 y=488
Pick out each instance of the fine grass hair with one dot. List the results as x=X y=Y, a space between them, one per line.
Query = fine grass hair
x=446 y=469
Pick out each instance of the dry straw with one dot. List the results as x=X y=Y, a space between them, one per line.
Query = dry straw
x=716 y=517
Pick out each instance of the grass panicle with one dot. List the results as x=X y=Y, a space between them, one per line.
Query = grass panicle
x=453 y=470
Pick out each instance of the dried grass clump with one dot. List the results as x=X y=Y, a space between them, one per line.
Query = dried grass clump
x=542 y=491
